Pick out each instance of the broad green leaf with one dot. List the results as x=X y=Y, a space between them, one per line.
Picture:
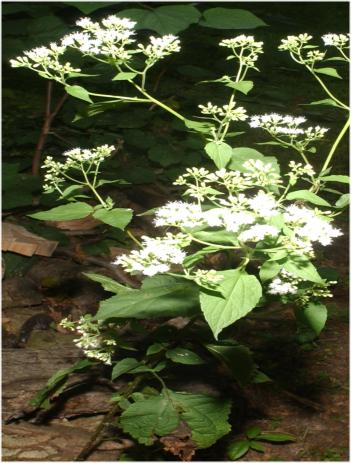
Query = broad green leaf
x=230 y=18
x=314 y=315
x=243 y=154
x=69 y=211
x=237 y=358
x=164 y=154
x=238 y=449
x=307 y=196
x=276 y=437
x=107 y=283
x=269 y=270
x=244 y=86
x=219 y=152
x=184 y=356
x=78 y=92
x=125 y=76
x=124 y=366
x=147 y=418
x=254 y=445
x=241 y=294
x=169 y=19
x=118 y=217
x=251 y=433
x=89 y=7
x=156 y=348
x=219 y=236
x=336 y=178
x=303 y=268
x=343 y=201
x=206 y=416
x=164 y=296
x=67 y=192
x=328 y=72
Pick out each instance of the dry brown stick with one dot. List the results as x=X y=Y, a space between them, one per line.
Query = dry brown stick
x=48 y=118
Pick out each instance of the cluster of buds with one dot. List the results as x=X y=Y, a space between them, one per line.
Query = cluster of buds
x=224 y=114
x=159 y=48
x=245 y=48
x=297 y=170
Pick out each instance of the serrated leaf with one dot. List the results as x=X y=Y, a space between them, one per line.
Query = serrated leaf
x=164 y=19
x=206 y=416
x=303 y=268
x=276 y=437
x=307 y=196
x=238 y=449
x=160 y=296
x=336 y=178
x=314 y=315
x=78 y=92
x=184 y=356
x=230 y=18
x=124 y=366
x=117 y=217
x=241 y=294
x=107 y=283
x=146 y=418
x=219 y=152
x=343 y=201
x=125 y=76
x=70 y=211
x=244 y=86
x=328 y=72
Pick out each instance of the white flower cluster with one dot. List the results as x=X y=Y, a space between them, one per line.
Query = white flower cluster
x=160 y=47
x=261 y=173
x=310 y=227
x=284 y=284
x=93 y=340
x=336 y=40
x=179 y=214
x=226 y=113
x=75 y=158
x=295 y=43
x=108 y=39
x=258 y=233
x=287 y=126
x=46 y=62
x=297 y=170
x=156 y=256
x=249 y=48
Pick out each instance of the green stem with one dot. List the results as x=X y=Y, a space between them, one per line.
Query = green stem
x=219 y=246
x=132 y=99
x=88 y=184
x=335 y=145
x=132 y=237
x=327 y=91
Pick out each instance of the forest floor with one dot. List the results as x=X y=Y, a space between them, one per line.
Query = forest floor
x=311 y=401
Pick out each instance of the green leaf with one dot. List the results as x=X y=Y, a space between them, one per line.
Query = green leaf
x=328 y=72
x=336 y=178
x=107 y=283
x=164 y=19
x=117 y=217
x=230 y=18
x=241 y=294
x=160 y=296
x=307 y=196
x=67 y=192
x=146 y=418
x=237 y=358
x=343 y=201
x=325 y=102
x=206 y=416
x=243 y=154
x=125 y=76
x=89 y=7
x=220 y=236
x=124 y=366
x=254 y=445
x=164 y=154
x=238 y=449
x=202 y=127
x=192 y=259
x=69 y=211
x=244 y=86
x=253 y=432
x=156 y=348
x=269 y=270
x=276 y=437
x=314 y=315
x=303 y=268
x=184 y=356
x=78 y=92
x=219 y=152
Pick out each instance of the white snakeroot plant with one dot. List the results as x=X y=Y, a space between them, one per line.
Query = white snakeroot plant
x=267 y=223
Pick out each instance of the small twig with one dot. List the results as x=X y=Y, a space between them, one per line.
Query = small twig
x=48 y=119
